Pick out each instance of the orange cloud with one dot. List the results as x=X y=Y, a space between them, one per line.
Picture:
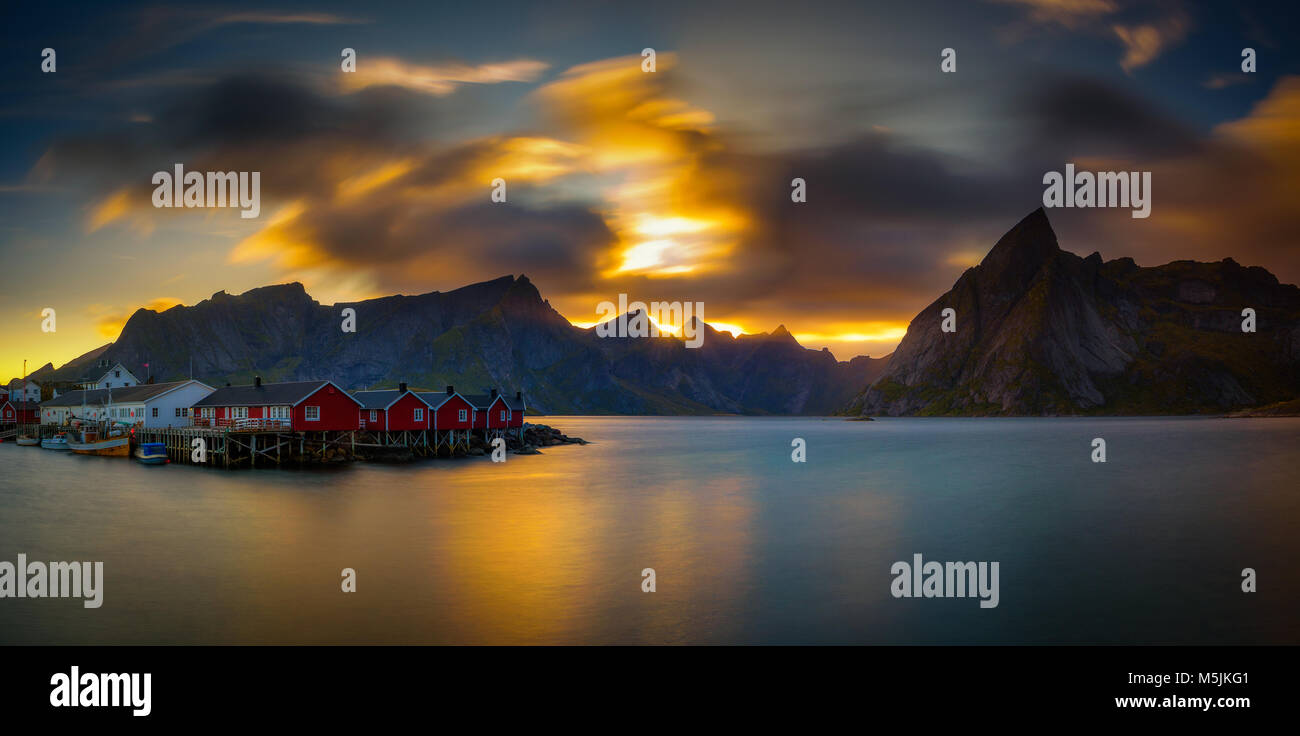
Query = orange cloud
x=437 y=80
x=1067 y=13
x=114 y=207
x=1143 y=43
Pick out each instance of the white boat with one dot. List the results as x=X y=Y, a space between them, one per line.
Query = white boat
x=26 y=441
x=58 y=442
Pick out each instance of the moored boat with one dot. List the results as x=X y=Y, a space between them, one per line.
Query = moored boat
x=92 y=444
x=151 y=453
x=58 y=442
x=26 y=441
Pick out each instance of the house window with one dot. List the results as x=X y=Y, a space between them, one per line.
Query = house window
x=462 y=415
x=155 y=412
x=419 y=415
x=239 y=412
x=374 y=415
x=503 y=415
x=178 y=411
x=313 y=413
x=117 y=374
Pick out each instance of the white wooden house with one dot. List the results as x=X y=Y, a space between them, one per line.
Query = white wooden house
x=146 y=405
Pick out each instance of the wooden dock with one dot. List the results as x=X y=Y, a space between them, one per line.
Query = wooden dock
x=255 y=445
x=226 y=447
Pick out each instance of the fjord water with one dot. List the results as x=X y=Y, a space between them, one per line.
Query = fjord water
x=748 y=547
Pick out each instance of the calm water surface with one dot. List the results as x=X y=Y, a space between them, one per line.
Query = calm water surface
x=748 y=546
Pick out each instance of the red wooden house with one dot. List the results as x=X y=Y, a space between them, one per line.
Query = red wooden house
x=517 y=408
x=395 y=411
x=19 y=412
x=450 y=410
x=491 y=411
x=303 y=406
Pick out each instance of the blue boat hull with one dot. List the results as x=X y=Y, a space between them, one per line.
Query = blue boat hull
x=151 y=453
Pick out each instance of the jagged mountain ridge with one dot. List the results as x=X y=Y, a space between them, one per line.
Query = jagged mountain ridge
x=1041 y=331
x=498 y=333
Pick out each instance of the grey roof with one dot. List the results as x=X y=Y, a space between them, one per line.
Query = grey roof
x=384 y=398
x=480 y=401
x=120 y=395
x=268 y=394
x=435 y=399
x=515 y=404
x=380 y=399
x=21 y=405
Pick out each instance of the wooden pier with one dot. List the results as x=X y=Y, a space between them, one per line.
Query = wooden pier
x=226 y=447
x=254 y=445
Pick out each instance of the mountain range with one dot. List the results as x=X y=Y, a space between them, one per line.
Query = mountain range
x=1041 y=331
x=498 y=333
x=1037 y=331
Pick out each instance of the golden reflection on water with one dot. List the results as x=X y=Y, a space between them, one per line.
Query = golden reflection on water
x=545 y=551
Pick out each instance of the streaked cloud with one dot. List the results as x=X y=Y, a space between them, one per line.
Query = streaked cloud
x=1144 y=42
x=267 y=17
x=1067 y=13
x=437 y=80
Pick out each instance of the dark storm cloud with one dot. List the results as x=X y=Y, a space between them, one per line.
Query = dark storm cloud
x=253 y=110
x=1090 y=117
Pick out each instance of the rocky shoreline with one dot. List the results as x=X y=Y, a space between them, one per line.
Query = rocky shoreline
x=535 y=436
x=1280 y=409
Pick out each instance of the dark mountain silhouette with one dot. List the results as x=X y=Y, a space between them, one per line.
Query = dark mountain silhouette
x=1044 y=332
x=498 y=333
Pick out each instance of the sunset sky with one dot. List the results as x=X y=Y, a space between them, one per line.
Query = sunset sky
x=672 y=185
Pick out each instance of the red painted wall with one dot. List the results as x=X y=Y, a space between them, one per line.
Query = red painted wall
x=10 y=414
x=495 y=419
x=338 y=411
x=401 y=415
x=491 y=418
x=449 y=412
x=364 y=416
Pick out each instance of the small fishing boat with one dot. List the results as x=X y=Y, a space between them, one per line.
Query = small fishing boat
x=26 y=441
x=151 y=453
x=58 y=442
x=92 y=444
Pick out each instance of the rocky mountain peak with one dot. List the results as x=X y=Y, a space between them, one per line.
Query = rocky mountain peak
x=1042 y=332
x=1020 y=253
